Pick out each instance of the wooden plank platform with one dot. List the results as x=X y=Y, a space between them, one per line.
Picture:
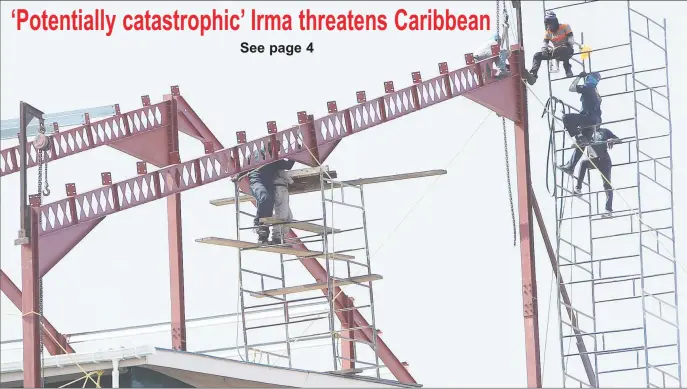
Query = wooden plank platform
x=308 y=187
x=271 y=249
x=316 y=286
x=303 y=226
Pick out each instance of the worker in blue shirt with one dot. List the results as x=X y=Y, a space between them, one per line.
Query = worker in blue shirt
x=602 y=140
x=263 y=189
x=581 y=125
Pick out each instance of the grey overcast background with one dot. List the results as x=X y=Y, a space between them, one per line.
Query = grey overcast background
x=450 y=302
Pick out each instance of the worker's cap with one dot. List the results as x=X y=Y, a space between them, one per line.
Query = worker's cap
x=595 y=76
x=550 y=15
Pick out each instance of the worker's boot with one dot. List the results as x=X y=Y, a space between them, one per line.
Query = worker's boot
x=531 y=77
x=567 y=169
x=578 y=191
x=263 y=234
x=607 y=213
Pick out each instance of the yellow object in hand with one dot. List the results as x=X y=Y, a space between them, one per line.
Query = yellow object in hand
x=584 y=52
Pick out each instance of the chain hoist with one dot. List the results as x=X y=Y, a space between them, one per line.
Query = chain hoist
x=503 y=123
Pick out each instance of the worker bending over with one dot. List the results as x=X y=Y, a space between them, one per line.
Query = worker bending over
x=282 y=210
x=561 y=36
x=581 y=125
x=263 y=189
x=602 y=140
x=484 y=52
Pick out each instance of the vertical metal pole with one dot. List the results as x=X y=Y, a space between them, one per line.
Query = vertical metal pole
x=330 y=280
x=369 y=271
x=639 y=194
x=286 y=307
x=672 y=203
x=24 y=212
x=237 y=203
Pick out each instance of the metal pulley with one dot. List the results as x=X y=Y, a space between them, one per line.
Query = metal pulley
x=42 y=142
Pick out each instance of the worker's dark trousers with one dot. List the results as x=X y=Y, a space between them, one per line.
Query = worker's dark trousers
x=264 y=195
x=562 y=53
x=574 y=158
x=604 y=165
x=576 y=123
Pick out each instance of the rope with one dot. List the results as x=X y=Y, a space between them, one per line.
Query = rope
x=55 y=341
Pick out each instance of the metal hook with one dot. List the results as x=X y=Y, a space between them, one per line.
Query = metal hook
x=46 y=191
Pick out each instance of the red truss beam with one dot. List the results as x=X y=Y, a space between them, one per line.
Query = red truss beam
x=128 y=132
x=73 y=217
x=320 y=135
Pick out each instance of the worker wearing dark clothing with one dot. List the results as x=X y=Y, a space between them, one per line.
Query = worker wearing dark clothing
x=262 y=188
x=602 y=140
x=561 y=36
x=581 y=125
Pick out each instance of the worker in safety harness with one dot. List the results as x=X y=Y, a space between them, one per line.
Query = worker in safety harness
x=581 y=125
x=598 y=157
x=262 y=187
x=561 y=36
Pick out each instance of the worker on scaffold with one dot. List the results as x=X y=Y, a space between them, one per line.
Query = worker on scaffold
x=602 y=140
x=262 y=187
x=580 y=126
x=561 y=36
x=282 y=210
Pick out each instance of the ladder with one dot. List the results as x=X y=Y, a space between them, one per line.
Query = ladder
x=621 y=270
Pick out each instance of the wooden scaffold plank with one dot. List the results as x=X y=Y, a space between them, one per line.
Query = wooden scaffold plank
x=317 y=286
x=312 y=187
x=272 y=249
x=299 y=225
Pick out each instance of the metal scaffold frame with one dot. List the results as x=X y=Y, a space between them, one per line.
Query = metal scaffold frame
x=324 y=235
x=648 y=273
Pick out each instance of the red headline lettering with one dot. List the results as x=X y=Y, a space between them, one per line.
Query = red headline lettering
x=225 y=20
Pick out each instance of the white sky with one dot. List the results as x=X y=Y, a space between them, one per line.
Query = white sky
x=450 y=301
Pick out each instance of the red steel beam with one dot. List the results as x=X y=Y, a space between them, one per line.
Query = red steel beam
x=508 y=98
x=176 y=252
x=581 y=347
x=51 y=335
x=30 y=305
x=114 y=131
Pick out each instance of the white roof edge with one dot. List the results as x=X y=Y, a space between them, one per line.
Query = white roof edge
x=193 y=362
x=216 y=366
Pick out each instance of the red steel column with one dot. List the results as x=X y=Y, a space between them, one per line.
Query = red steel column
x=529 y=276
x=176 y=256
x=29 y=305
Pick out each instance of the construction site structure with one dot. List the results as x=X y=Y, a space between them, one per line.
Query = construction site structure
x=270 y=282
x=151 y=135
x=620 y=271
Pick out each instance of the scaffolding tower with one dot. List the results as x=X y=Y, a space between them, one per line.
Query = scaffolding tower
x=621 y=270
x=265 y=268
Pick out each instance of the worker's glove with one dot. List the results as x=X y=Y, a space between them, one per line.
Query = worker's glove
x=545 y=49
x=611 y=142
